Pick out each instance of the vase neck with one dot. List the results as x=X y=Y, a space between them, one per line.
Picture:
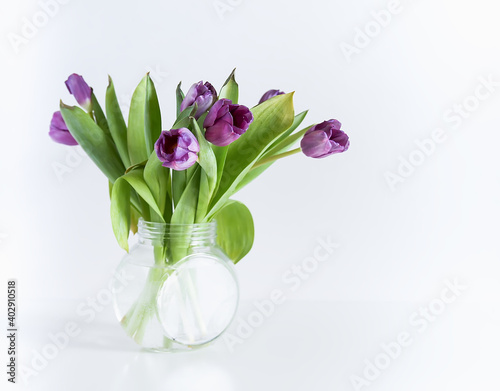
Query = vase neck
x=158 y=234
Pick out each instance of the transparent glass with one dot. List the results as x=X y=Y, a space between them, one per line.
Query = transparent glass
x=176 y=289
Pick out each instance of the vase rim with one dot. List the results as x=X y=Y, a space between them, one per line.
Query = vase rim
x=146 y=223
x=192 y=233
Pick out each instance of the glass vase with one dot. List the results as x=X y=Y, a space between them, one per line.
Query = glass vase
x=181 y=291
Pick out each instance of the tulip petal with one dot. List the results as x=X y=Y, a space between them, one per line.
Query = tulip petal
x=190 y=96
x=188 y=141
x=340 y=138
x=242 y=116
x=221 y=134
x=325 y=139
x=177 y=149
x=63 y=138
x=203 y=95
x=80 y=90
x=315 y=144
x=213 y=113
x=59 y=131
x=226 y=122
x=336 y=148
x=270 y=94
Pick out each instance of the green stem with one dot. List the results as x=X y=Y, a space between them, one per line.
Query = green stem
x=271 y=159
x=179 y=181
x=193 y=295
x=144 y=310
x=140 y=314
x=286 y=143
x=180 y=249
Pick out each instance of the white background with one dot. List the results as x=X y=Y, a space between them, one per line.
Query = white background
x=397 y=245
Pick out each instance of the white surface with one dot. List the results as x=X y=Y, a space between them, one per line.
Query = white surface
x=395 y=247
x=316 y=345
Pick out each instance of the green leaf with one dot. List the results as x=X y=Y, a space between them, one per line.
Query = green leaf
x=271 y=119
x=120 y=212
x=191 y=171
x=206 y=157
x=136 y=139
x=208 y=163
x=134 y=220
x=185 y=210
x=146 y=211
x=230 y=89
x=220 y=156
x=179 y=182
x=299 y=118
x=279 y=146
x=183 y=119
x=94 y=141
x=184 y=215
x=135 y=179
x=179 y=97
x=286 y=144
x=157 y=179
x=117 y=125
x=203 y=197
x=181 y=178
x=120 y=203
x=99 y=114
x=152 y=115
x=251 y=175
x=136 y=166
x=235 y=230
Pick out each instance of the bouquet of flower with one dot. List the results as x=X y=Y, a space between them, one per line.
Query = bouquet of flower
x=188 y=174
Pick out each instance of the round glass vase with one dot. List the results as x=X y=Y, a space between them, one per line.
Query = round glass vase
x=177 y=290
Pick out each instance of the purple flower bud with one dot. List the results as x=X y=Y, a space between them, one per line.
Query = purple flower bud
x=59 y=131
x=177 y=148
x=324 y=139
x=226 y=122
x=204 y=95
x=80 y=90
x=270 y=94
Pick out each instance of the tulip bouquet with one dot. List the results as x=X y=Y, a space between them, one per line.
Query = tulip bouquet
x=187 y=174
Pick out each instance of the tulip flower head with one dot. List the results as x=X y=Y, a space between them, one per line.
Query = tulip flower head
x=59 y=131
x=324 y=139
x=177 y=149
x=204 y=95
x=80 y=90
x=226 y=122
x=270 y=94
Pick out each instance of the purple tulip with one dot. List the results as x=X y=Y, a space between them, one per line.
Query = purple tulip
x=177 y=148
x=59 y=131
x=270 y=94
x=80 y=90
x=204 y=95
x=324 y=139
x=226 y=122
